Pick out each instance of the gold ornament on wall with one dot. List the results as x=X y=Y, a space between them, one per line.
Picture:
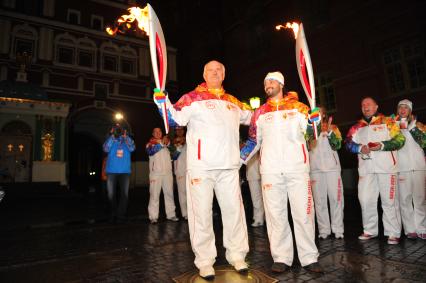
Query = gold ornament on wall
x=47 y=144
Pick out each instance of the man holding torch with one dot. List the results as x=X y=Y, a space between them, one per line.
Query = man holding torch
x=212 y=118
x=278 y=129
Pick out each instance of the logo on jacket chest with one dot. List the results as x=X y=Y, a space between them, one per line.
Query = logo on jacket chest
x=379 y=128
x=210 y=105
x=269 y=118
x=289 y=115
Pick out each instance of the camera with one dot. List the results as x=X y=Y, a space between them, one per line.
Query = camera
x=117 y=130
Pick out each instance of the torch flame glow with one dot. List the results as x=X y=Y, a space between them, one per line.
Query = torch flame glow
x=126 y=22
x=294 y=26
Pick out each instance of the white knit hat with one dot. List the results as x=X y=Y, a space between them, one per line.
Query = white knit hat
x=406 y=102
x=277 y=76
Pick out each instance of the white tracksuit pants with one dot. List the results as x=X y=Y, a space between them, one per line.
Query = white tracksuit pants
x=412 y=191
x=257 y=200
x=156 y=182
x=201 y=185
x=181 y=186
x=295 y=187
x=328 y=184
x=369 y=188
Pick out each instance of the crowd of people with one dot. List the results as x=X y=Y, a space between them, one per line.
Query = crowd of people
x=286 y=162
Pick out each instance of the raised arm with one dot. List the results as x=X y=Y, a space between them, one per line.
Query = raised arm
x=334 y=138
x=178 y=114
x=418 y=131
x=397 y=138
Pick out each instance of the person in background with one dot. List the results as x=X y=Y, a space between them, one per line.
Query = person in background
x=160 y=176
x=325 y=177
x=412 y=166
x=119 y=147
x=253 y=178
x=179 y=157
x=375 y=139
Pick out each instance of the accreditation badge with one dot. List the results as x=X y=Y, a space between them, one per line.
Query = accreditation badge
x=119 y=153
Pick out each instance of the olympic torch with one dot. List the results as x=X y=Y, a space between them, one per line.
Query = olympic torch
x=304 y=68
x=146 y=20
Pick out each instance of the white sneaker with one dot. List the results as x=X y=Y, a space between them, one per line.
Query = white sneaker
x=257 y=224
x=393 y=241
x=323 y=236
x=366 y=237
x=1 y=195
x=207 y=272
x=240 y=266
x=338 y=235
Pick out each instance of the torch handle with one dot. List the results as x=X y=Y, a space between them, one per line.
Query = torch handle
x=165 y=118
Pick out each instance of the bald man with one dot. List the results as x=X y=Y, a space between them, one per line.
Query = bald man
x=212 y=118
x=375 y=139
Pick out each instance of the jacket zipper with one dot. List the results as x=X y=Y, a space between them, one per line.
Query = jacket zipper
x=304 y=153
x=199 y=149
x=393 y=158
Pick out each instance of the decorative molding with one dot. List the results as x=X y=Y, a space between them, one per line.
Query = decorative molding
x=57 y=25
x=33 y=107
x=27 y=32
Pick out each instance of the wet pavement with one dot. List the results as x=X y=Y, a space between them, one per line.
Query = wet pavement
x=64 y=237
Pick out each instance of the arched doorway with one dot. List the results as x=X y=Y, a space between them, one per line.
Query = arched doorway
x=15 y=152
x=89 y=128
x=85 y=161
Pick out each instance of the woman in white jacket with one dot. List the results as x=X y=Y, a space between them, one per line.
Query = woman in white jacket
x=412 y=166
x=326 y=179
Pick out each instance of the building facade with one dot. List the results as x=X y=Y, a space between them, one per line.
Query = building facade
x=74 y=78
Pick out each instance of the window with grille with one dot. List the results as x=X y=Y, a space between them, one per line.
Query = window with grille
x=65 y=55
x=73 y=17
x=405 y=66
x=110 y=63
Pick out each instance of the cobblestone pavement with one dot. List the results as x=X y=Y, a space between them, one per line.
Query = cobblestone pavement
x=96 y=251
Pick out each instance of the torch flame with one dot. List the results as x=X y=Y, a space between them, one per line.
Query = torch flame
x=294 y=26
x=125 y=22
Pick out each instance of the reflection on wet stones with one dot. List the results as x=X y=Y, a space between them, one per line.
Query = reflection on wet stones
x=369 y=268
x=226 y=274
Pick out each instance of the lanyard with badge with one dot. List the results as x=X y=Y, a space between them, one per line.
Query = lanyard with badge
x=120 y=151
